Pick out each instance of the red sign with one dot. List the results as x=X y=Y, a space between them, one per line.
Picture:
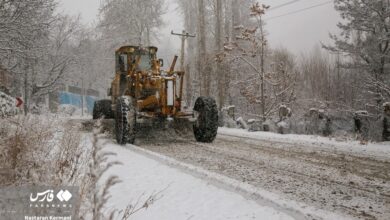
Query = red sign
x=19 y=102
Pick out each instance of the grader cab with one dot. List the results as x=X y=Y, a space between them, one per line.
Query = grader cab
x=142 y=92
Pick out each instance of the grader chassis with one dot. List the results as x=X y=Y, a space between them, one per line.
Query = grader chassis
x=142 y=93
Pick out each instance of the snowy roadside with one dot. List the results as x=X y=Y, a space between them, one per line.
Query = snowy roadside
x=377 y=150
x=7 y=105
x=190 y=192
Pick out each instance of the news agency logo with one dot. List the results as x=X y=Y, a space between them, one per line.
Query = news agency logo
x=34 y=202
x=64 y=195
x=48 y=196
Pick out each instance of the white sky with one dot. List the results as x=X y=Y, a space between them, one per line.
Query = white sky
x=88 y=9
x=301 y=31
x=298 y=32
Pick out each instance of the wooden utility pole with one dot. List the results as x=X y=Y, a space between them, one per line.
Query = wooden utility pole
x=184 y=36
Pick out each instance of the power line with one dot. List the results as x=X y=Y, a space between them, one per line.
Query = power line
x=300 y=10
x=282 y=5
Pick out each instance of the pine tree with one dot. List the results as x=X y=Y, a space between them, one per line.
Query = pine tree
x=365 y=39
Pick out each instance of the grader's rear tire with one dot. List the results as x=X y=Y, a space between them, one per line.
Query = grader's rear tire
x=102 y=108
x=206 y=126
x=125 y=120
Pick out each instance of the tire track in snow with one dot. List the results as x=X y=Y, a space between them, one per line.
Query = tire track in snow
x=326 y=179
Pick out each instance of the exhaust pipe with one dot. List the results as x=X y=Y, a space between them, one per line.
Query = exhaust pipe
x=173 y=64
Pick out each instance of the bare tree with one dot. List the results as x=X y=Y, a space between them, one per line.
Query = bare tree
x=35 y=45
x=315 y=69
x=22 y=23
x=44 y=68
x=53 y=61
x=282 y=76
x=253 y=52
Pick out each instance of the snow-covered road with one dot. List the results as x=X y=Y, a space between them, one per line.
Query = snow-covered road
x=340 y=178
x=253 y=176
x=180 y=195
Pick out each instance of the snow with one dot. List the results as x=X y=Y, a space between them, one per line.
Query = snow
x=72 y=112
x=190 y=192
x=183 y=196
x=361 y=112
x=378 y=150
x=66 y=109
x=250 y=121
x=7 y=105
x=282 y=124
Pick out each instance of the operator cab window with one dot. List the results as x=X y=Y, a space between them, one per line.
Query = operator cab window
x=122 y=62
x=144 y=63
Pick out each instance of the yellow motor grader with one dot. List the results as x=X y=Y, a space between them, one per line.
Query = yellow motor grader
x=142 y=92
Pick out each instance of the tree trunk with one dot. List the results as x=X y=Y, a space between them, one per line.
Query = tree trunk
x=227 y=21
x=148 y=36
x=26 y=90
x=262 y=54
x=190 y=77
x=236 y=18
x=204 y=81
x=218 y=46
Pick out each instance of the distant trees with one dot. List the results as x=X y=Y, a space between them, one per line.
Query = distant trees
x=269 y=78
x=323 y=82
x=22 y=24
x=365 y=40
x=35 y=46
x=230 y=57
x=282 y=78
x=261 y=77
x=315 y=72
x=121 y=22
x=213 y=23
x=52 y=62
x=187 y=8
x=130 y=21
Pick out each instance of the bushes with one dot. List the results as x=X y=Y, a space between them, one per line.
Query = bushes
x=50 y=151
x=37 y=150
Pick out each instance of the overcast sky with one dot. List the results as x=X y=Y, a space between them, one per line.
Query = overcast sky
x=302 y=23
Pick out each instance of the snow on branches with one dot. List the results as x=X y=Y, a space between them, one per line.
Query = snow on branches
x=365 y=39
x=270 y=76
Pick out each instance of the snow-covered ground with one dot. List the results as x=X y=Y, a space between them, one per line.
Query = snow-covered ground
x=251 y=175
x=185 y=191
x=183 y=196
x=379 y=150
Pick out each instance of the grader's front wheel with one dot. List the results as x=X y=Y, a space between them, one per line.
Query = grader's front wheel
x=206 y=126
x=125 y=120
